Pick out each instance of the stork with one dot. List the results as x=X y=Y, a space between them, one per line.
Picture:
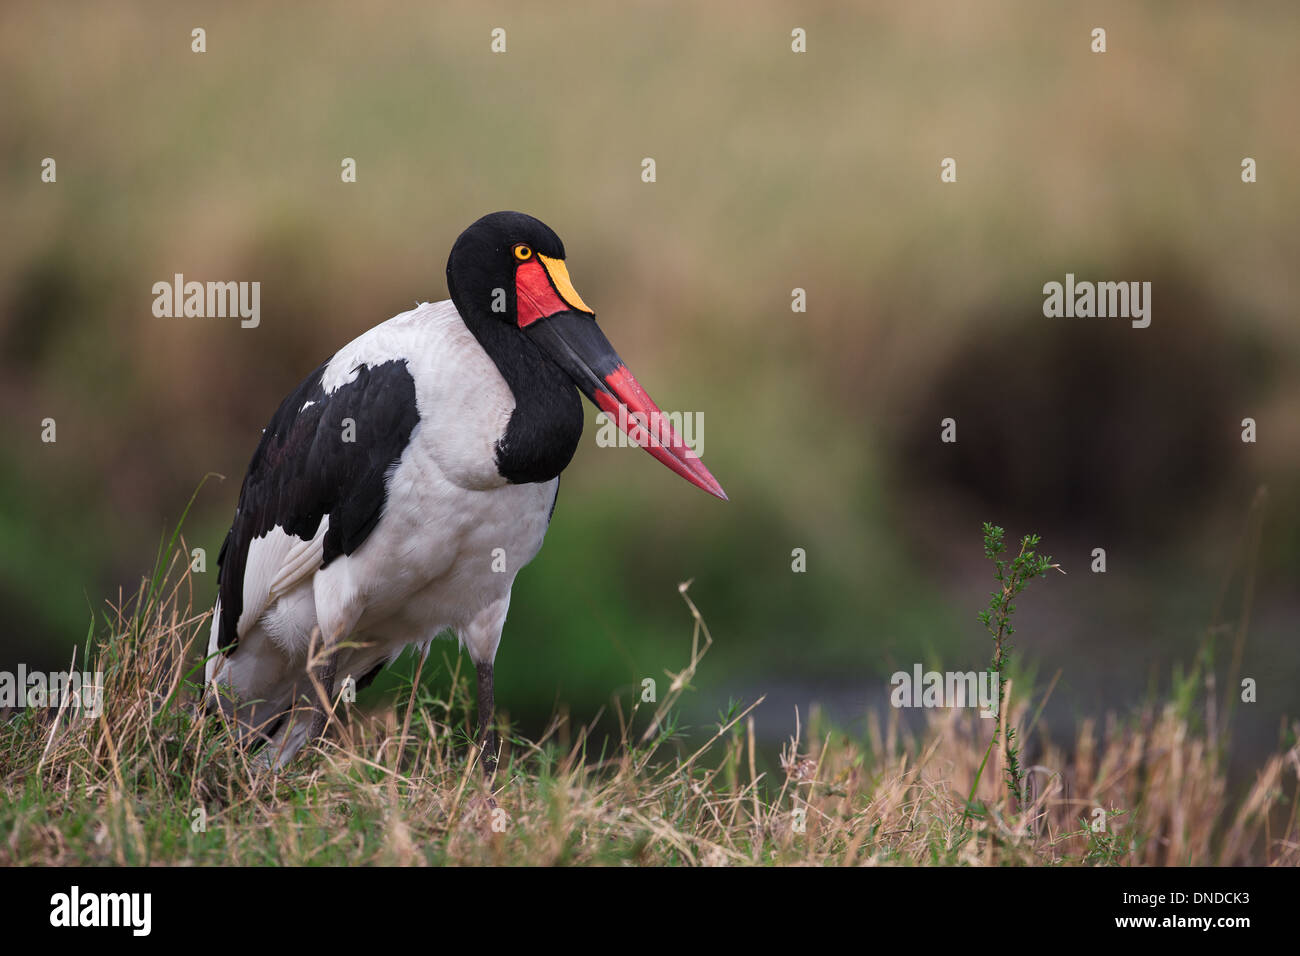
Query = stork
x=399 y=489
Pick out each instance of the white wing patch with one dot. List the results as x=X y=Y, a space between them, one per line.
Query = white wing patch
x=277 y=562
x=302 y=561
x=209 y=668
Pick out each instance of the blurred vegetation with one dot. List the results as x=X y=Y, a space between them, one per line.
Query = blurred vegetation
x=775 y=171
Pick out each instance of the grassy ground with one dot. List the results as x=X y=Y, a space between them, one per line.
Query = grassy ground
x=149 y=782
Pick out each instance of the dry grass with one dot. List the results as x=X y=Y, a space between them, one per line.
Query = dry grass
x=403 y=786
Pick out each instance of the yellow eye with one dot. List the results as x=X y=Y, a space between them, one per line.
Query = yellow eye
x=523 y=253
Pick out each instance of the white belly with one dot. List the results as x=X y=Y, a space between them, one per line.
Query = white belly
x=443 y=581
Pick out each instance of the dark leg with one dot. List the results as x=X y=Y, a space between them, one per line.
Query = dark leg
x=487 y=734
x=322 y=707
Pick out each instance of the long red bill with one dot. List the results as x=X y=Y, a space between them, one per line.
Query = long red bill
x=640 y=418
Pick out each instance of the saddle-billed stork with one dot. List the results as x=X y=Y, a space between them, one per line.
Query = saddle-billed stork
x=399 y=489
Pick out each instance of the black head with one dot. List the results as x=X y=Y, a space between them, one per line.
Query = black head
x=508 y=280
x=506 y=258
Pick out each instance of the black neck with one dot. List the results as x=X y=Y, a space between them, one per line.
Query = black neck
x=544 y=429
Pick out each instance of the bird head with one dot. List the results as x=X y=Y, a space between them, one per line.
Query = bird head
x=509 y=268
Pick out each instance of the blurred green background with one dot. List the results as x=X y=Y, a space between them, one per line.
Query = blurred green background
x=775 y=170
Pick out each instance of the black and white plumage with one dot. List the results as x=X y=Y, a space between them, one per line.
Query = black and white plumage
x=383 y=487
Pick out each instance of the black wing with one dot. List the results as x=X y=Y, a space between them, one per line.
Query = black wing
x=304 y=469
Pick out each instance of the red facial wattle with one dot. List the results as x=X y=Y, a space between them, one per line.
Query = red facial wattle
x=535 y=296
